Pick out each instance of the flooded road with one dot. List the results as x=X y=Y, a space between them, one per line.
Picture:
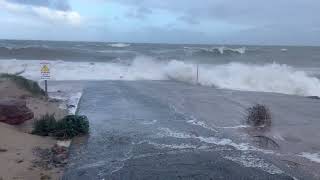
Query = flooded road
x=168 y=130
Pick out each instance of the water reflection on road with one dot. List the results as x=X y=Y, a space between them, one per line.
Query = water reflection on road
x=167 y=130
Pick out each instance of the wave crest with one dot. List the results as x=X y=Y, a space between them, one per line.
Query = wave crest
x=237 y=76
x=217 y=50
x=119 y=45
x=266 y=78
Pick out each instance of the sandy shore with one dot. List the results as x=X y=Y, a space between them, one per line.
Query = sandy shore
x=17 y=146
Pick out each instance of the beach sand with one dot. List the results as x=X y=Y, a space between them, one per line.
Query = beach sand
x=17 y=145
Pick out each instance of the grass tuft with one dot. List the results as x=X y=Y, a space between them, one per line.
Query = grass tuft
x=45 y=126
x=29 y=85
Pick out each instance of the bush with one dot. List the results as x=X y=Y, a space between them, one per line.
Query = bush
x=69 y=127
x=45 y=125
x=29 y=85
x=259 y=116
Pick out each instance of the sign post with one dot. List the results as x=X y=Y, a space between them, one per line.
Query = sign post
x=197 y=73
x=45 y=74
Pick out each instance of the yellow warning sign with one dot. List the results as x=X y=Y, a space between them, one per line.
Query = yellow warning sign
x=45 y=70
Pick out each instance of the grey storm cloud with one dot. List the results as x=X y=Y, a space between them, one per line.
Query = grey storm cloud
x=139 y=12
x=256 y=12
x=189 y=20
x=278 y=20
x=62 y=5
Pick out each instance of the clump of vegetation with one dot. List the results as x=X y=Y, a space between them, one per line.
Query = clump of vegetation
x=45 y=126
x=29 y=85
x=259 y=116
x=71 y=126
x=66 y=128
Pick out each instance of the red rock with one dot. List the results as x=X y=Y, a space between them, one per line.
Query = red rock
x=14 y=111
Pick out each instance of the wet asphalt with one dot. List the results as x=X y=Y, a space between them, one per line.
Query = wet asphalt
x=165 y=131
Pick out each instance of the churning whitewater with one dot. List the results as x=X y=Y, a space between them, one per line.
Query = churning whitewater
x=236 y=76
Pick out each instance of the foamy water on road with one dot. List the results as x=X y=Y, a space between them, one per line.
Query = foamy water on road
x=142 y=125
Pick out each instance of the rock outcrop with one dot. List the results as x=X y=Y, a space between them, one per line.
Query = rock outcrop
x=14 y=111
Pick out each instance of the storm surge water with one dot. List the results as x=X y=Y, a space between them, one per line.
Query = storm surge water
x=237 y=76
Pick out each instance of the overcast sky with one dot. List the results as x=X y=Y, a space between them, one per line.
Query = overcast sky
x=292 y=22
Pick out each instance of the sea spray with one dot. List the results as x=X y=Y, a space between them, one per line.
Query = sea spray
x=237 y=76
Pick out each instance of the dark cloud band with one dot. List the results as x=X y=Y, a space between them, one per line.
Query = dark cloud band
x=62 y=5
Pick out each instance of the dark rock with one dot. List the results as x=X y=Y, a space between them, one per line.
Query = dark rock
x=14 y=111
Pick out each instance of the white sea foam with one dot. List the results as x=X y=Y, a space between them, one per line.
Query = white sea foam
x=234 y=127
x=209 y=140
x=314 y=157
x=213 y=140
x=119 y=45
x=250 y=161
x=149 y=122
x=173 y=146
x=266 y=78
x=220 y=50
x=200 y=123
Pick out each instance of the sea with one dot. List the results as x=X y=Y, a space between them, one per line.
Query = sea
x=281 y=69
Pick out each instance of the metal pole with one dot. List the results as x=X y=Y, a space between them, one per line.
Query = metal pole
x=197 y=73
x=46 y=86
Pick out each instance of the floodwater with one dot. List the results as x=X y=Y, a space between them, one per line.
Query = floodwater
x=170 y=130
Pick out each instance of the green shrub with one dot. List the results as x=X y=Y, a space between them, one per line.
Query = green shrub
x=45 y=125
x=71 y=126
x=66 y=128
x=259 y=116
x=29 y=85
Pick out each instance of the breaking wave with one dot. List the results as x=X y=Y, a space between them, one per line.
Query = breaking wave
x=217 y=50
x=314 y=157
x=119 y=45
x=237 y=76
